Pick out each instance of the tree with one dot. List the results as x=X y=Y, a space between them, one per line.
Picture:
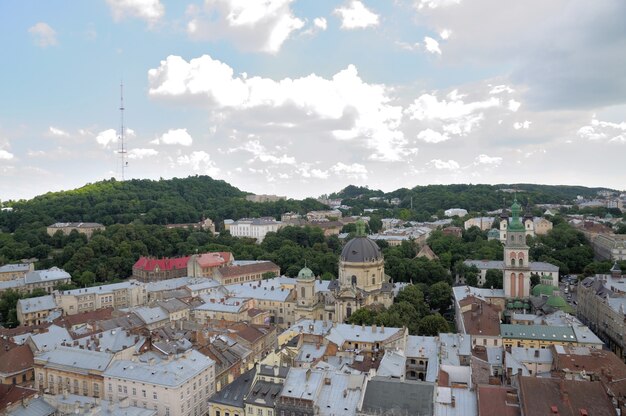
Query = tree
x=363 y=316
x=375 y=224
x=535 y=279
x=493 y=279
x=440 y=296
x=433 y=325
x=413 y=296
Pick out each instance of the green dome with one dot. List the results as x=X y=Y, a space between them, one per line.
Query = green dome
x=306 y=273
x=557 y=302
x=516 y=223
x=518 y=305
x=494 y=233
x=547 y=290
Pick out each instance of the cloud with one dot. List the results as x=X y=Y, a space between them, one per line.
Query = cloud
x=432 y=45
x=305 y=170
x=522 y=125
x=445 y=34
x=443 y=165
x=320 y=23
x=198 y=161
x=454 y=116
x=43 y=35
x=356 y=16
x=107 y=137
x=149 y=10
x=352 y=171
x=259 y=152
x=344 y=106
x=514 y=105
x=140 y=153
x=174 y=136
x=5 y=155
x=608 y=131
x=432 y=136
x=433 y=4
x=256 y=26
x=58 y=132
x=498 y=89
x=488 y=160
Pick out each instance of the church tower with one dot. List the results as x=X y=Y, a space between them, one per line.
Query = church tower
x=516 y=262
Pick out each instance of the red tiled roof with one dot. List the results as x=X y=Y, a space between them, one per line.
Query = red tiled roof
x=13 y=394
x=149 y=264
x=498 y=400
x=16 y=359
x=214 y=259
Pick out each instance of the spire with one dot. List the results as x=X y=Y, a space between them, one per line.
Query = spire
x=360 y=228
x=516 y=224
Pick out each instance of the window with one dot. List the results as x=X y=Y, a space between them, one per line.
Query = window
x=119 y=389
x=143 y=393
x=125 y=390
x=134 y=391
x=110 y=387
x=154 y=395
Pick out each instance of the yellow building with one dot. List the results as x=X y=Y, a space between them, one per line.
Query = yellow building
x=544 y=336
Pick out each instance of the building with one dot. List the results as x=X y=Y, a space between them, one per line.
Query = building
x=230 y=399
x=542 y=336
x=481 y=320
x=276 y=295
x=66 y=228
x=484 y=223
x=533 y=226
x=548 y=273
x=243 y=272
x=268 y=383
x=516 y=267
x=550 y=396
x=75 y=370
x=362 y=280
x=148 y=269
x=15 y=271
x=455 y=212
x=497 y=400
x=116 y=295
x=265 y=198
x=204 y=265
x=16 y=364
x=609 y=246
x=45 y=280
x=601 y=305
x=255 y=228
x=329 y=215
x=176 y=386
x=35 y=311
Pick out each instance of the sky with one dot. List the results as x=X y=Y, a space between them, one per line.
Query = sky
x=301 y=98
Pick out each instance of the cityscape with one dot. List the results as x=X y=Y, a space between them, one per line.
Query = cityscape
x=333 y=208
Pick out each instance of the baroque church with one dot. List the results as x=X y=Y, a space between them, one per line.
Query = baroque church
x=516 y=276
x=362 y=282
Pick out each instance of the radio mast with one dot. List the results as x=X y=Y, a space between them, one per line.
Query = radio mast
x=121 y=149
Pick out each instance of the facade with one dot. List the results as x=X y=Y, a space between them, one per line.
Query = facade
x=516 y=266
x=45 y=280
x=362 y=280
x=484 y=223
x=16 y=364
x=533 y=226
x=544 y=336
x=255 y=228
x=15 y=271
x=610 y=246
x=177 y=386
x=73 y=370
x=265 y=198
x=86 y=228
x=323 y=215
x=35 y=311
x=116 y=295
x=547 y=272
x=246 y=272
x=148 y=269
x=204 y=265
x=458 y=212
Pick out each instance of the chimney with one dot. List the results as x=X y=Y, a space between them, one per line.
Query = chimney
x=536 y=353
x=373 y=328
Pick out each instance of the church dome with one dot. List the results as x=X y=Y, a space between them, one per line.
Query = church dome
x=306 y=273
x=361 y=250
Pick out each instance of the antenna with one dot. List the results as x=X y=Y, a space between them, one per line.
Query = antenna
x=121 y=145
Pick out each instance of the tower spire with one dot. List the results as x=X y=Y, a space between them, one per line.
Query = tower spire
x=121 y=150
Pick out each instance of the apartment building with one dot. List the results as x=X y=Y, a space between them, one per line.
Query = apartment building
x=116 y=295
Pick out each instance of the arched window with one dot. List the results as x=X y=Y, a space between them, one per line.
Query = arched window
x=354 y=280
x=373 y=280
x=512 y=262
x=303 y=292
x=521 y=258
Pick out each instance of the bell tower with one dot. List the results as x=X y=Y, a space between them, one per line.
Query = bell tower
x=516 y=263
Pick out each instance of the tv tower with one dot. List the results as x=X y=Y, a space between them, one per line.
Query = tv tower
x=121 y=147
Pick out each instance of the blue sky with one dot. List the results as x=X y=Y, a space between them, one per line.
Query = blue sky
x=302 y=98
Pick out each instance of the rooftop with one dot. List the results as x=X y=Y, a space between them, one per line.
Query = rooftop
x=348 y=332
x=538 y=332
x=498 y=400
x=78 y=360
x=234 y=393
x=407 y=398
x=150 y=264
x=38 y=304
x=52 y=274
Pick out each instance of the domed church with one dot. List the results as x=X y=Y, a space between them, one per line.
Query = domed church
x=362 y=282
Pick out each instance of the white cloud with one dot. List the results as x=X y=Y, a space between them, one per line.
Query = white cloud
x=443 y=165
x=5 y=155
x=488 y=160
x=306 y=171
x=408 y=46
x=198 y=161
x=433 y=4
x=174 y=136
x=58 y=132
x=454 y=115
x=107 y=137
x=356 y=16
x=522 y=125
x=445 y=34
x=352 y=171
x=358 y=110
x=259 y=152
x=498 y=89
x=258 y=26
x=140 y=153
x=432 y=136
x=320 y=23
x=432 y=45
x=43 y=35
x=601 y=130
x=514 y=105
x=149 y=10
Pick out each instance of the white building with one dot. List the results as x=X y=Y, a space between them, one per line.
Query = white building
x=460 y=212
x=254 y=227
x=174 y=387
